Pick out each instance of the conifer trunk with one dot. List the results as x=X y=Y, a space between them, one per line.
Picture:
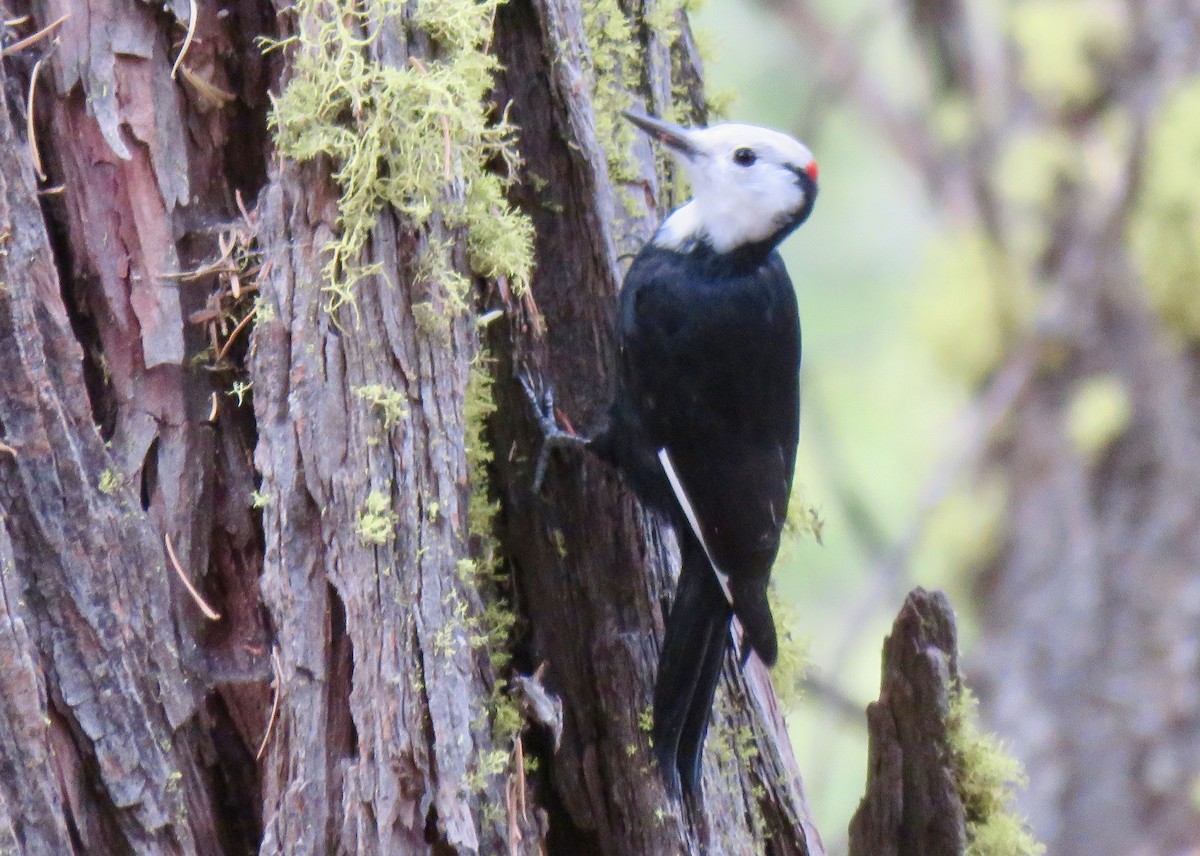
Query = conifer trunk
x=180 y=402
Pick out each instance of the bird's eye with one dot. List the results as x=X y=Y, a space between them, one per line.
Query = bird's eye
x=744 y=156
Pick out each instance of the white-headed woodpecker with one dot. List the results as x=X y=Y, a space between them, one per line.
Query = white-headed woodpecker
x=705 y=417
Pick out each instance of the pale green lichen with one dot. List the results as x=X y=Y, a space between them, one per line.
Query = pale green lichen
x=259 y=499
x=986 y=777
x=1098 y=413
x=110 y=481
x=416 y=137
x=390 y=404
x=491 y=630
x=614 y=54
x=478 y=406
x=239 y=390
x=791 y=666
x=1062 y=43
x=792 y=662
x=1165 y=228
x=377 y=521
x=614 y=57
x=803 y=518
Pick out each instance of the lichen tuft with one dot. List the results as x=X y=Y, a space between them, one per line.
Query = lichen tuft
x=417 y=137
x=377 y=521
x=986 y=777
x=792 y=664
x=390 y=404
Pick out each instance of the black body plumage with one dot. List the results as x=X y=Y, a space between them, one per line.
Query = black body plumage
x=704 y=420
x=709 y=361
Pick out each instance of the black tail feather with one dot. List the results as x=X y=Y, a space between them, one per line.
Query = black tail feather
x=689 y=669
x=695 y=729
x=754 y=612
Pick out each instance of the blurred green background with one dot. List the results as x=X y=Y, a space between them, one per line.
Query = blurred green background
x=877 y=412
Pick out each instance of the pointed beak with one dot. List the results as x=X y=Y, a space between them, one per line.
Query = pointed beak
x=675 y=138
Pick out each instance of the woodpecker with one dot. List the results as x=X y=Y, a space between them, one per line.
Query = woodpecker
x=704 y=421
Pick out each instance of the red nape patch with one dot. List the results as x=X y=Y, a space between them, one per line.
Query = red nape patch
x=811 y=169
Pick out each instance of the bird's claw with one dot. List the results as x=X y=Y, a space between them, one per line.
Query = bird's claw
x=553 y=437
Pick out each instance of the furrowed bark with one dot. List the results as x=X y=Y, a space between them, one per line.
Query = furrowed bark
x=595 y=593
x=339 y=703
x=101 y=749
x=912 y=805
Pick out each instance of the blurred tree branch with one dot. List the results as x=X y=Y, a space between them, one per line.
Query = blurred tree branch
x=1042 y=129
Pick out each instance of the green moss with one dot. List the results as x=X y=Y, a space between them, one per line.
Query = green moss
x=986 y=777
x=615 y=55
x=488 y=764
x=719 y=103
x=1098 y=413
x=720 y=742
x=259 y=499
x=376 y=521
x=971 y=305
x=495 y=815
x=745 y=744
x=1165 y=229
x=264 y=310
x=417 y=138
x=1061 y=42
x=499 y=245
x=390 y=404
x=803 y=521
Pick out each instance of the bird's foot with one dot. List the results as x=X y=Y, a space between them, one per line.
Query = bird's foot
x=541 y=397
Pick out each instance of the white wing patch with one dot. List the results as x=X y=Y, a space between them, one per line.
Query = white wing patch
x=664 y=458
x=739 y=633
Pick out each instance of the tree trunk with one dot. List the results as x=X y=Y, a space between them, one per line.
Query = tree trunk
x=342 y=678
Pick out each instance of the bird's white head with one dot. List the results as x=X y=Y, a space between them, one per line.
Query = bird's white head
x=751 y=186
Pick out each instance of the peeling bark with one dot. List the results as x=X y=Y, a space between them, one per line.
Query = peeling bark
x=112 y=452
x=100 y=713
